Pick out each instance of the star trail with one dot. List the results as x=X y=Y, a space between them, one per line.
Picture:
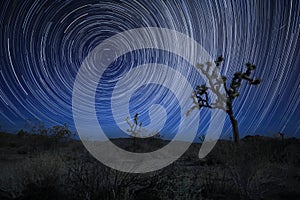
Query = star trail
x=44 y=42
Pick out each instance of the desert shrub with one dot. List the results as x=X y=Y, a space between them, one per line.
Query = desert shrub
x=173 y=182
x=12 y=144
x=214 y=182
x=60 y=133
x=91 y=180
x=255 y=168
x=37 y=143
x=35 y=126
x=22 y=133
x=250 y=168
x=34 y=178
x=46 y=189
x=42 y=137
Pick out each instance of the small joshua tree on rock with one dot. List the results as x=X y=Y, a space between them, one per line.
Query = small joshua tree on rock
x=135 y=127
x=225 y=99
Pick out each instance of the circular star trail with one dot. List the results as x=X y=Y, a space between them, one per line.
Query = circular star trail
x=43 y=44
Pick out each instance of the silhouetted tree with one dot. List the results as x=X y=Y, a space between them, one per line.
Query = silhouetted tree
x=36 y=126
x=22 y=133
x=60 y=132
x=225 y=99
x=134 y=128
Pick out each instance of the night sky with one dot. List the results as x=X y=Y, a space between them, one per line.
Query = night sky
x=44 y=42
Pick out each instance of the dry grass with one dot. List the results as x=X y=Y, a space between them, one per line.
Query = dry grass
x=256 y=169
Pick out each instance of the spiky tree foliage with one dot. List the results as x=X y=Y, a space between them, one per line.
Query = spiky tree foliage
x=217 y=84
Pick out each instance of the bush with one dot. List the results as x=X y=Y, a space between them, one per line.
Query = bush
x=34 y=178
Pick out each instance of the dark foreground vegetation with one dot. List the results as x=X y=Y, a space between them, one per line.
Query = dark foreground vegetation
x=35 y=166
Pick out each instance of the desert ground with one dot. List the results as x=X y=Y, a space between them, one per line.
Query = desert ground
x=36 y=166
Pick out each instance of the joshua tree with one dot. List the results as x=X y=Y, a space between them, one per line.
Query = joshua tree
x=225 y=99
x=135 y=127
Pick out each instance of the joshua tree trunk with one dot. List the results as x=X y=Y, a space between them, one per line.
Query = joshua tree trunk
x=234 y=123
